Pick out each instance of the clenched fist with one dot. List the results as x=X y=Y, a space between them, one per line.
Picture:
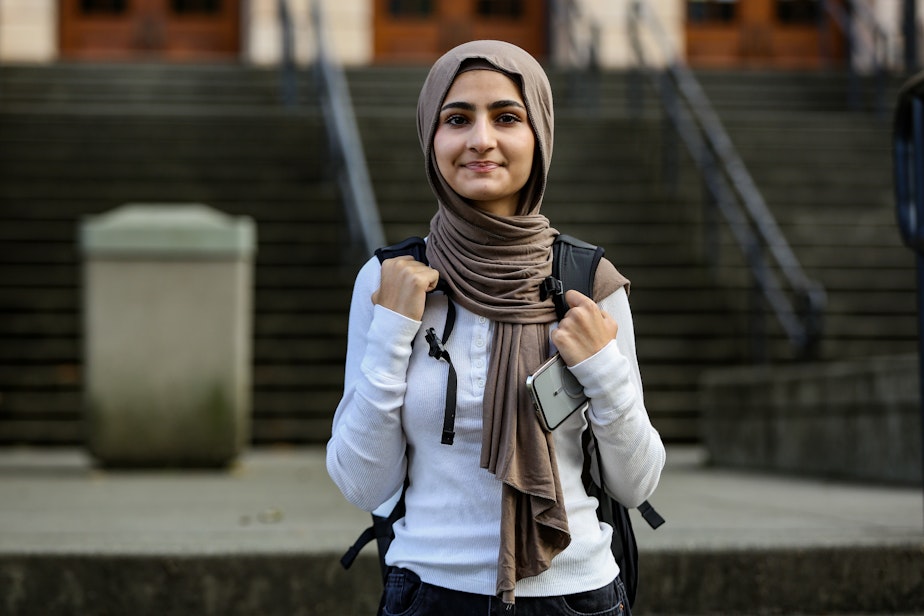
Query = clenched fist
x=585 y=329
x=404 y=286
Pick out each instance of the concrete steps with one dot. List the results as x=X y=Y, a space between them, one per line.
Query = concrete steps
x=603 y=188
x=81 y=139
x=265 y=537
x=827 y=175
x=77 y=140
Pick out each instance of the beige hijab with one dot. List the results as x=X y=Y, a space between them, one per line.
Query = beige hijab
x=495 y=266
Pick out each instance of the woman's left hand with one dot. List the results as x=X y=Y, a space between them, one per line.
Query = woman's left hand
x=585 y=329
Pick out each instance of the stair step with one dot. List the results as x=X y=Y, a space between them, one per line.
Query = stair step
x=77 y=140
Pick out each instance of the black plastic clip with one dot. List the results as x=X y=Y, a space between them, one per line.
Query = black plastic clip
x=551 y=286
x=437 y=350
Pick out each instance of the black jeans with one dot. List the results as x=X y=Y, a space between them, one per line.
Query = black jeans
x=406 y=595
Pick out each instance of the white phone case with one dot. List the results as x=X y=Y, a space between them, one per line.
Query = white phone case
x=555 y=392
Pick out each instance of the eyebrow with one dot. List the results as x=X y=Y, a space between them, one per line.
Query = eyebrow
x=501 y=104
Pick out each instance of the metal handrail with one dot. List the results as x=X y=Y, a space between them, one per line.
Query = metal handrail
x=566 y=17
x=565 y=29
x=734 y=192
x=346 y=146
x=847 y=21
x=288 y=82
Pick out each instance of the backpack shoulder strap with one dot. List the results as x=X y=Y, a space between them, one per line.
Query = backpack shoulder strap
x=416 y=247
x=382 y=530
x=413 y=246
x=574 y=266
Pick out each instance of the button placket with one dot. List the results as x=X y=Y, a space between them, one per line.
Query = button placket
x=479 y=354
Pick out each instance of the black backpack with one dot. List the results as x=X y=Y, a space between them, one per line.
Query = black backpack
x=574 y=266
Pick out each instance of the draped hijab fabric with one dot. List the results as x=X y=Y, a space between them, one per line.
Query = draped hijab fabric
x=494 y=266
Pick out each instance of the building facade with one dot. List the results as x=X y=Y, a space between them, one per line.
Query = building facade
x=720 y=33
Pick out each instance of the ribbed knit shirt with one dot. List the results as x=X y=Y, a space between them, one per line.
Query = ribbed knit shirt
x=389 y=422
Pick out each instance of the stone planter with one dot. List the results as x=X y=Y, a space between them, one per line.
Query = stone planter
x=167 y=313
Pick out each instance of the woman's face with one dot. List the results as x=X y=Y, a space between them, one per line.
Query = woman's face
x=483 y=143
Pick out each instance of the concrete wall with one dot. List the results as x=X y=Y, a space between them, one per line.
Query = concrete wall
x=858 y=420
x=349 y=25
x=611 y=19
x=28 y=30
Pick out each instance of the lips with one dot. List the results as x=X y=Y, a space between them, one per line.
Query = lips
x=482 y=166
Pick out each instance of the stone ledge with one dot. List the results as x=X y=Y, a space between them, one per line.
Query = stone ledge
x=858 y=420
x=877 y=579
x=839 y=580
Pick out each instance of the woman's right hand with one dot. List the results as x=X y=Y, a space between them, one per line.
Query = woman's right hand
x=404 y=286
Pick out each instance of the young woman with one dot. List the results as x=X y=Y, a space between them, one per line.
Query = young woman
x=499 y=517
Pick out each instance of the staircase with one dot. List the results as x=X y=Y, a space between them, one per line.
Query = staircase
x=604 y=187
x=826 y=173
x=77 y=140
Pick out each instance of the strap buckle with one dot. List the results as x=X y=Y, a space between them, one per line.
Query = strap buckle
x=551 y=286
x=437 y=350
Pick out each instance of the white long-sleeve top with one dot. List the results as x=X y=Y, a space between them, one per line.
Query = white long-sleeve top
x=389 y=422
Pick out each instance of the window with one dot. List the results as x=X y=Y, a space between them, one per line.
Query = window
x=711 y=11
x=191 y=7
x=797 y=11
x=509 y=9
x=103 y=7
x=410 y=8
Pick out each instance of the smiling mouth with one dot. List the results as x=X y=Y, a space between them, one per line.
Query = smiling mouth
x=482 y=166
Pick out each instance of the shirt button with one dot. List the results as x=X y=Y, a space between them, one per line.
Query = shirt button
x=482 y=319
x=479 y=363
x=479 y=342
x=480 y=383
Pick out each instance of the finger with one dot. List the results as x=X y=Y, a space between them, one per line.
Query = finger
x=406 y=266
x=576 y=298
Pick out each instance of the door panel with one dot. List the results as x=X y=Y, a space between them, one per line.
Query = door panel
x=154 y=29
x=419 y=31
x=758 y=33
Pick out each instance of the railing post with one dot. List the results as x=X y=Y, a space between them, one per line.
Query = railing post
x=760 y=352
x=853 y=88
x=635 y=93
x=594 y=76
x=711 y=245
x=908 y=160
x=669 y=145
x=910 y=34
x=881 y=74
x=288 y=84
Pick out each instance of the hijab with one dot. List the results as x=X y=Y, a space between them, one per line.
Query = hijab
x=494 y=266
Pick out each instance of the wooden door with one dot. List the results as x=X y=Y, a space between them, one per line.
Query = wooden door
x=150 y=29
x=421 y=30
x=758 y=33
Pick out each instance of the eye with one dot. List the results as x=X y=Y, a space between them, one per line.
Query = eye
x=508 y=118
x=455 y=120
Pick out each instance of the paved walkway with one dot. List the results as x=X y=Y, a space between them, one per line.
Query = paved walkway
x=77 y=539
x=281 y=500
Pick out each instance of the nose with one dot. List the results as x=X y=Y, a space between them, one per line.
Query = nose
x=481 y=137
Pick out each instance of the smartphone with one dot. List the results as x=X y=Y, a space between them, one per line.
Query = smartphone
x=555 y=392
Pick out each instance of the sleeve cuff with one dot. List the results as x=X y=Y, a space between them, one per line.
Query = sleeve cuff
x=606 y=380
x=388 y=345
